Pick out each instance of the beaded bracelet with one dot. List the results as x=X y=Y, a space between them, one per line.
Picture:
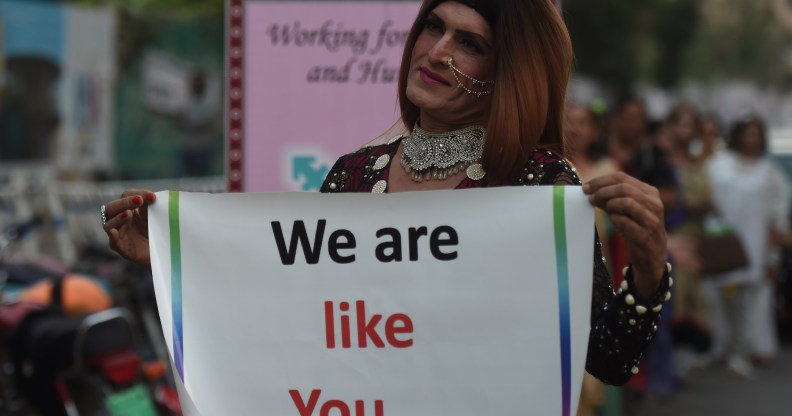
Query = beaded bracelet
x=634 y=316
x=663 y=293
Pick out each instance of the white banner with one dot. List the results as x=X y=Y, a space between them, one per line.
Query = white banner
x=471 y=302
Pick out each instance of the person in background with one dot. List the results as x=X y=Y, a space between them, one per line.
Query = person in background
x=633 y=147
x=588 y=154
x=663 y=137
x=583 y=132
x=690 y=322
x=711 y=140
x=752 y=194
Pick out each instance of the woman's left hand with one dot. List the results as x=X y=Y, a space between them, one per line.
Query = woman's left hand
x=636 y=210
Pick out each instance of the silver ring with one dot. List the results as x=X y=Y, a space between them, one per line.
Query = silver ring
x=102 y=209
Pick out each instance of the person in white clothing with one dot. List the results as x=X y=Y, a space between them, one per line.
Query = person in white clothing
x=751 y=193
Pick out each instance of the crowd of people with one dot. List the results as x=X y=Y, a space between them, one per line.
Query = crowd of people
x=710 y=176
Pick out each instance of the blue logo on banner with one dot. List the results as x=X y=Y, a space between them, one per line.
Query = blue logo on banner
x=313 y=177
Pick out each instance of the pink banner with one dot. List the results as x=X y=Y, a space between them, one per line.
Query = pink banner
x=319 y=81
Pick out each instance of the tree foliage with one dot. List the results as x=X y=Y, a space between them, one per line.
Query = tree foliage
x=604 y=37
x=667 y=42
x=674 y=29
x=187 y=7
x=740 y=40
x=621 y=42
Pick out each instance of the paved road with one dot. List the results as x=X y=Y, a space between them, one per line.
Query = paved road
x=716 y=392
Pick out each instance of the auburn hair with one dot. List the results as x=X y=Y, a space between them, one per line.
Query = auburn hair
x=533 y=61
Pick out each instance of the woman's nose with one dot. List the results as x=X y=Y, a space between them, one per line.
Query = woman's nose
x=441 y=50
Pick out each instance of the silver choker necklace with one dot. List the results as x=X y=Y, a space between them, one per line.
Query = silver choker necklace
x=429 y=156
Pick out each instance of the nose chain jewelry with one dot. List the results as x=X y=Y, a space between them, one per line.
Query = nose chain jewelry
x=437 y=156
x=455 y=71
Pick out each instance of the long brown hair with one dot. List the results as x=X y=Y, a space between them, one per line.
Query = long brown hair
x=533 y=61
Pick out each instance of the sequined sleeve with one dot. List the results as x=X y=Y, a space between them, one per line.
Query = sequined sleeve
x=619 y=335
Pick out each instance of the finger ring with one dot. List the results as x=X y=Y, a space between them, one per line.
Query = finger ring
x=102 y=209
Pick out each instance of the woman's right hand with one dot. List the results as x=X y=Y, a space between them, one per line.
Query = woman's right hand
x=127 y=225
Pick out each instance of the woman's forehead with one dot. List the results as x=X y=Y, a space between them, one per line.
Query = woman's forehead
x=485 y=8
x=464 y=16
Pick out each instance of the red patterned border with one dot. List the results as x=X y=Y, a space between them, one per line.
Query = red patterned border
x=235 y=35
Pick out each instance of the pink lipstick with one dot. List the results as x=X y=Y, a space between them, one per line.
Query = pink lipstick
x=432 y=78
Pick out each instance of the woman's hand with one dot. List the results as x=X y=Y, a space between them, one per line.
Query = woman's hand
x=127 y=225
x=636 y=210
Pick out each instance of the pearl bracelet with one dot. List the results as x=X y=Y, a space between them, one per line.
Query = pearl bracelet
x=663 y=294
x=635 y=317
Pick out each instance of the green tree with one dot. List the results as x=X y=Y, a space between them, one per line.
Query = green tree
x=605 y=37
x=622 y=42
x=189 y=7
x=674 y=30
x=742 y=40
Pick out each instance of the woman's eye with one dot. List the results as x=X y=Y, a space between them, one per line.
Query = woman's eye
x=471 y=45
x=433 y=27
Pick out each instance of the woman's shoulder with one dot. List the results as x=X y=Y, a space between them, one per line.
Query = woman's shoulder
x=546 y=167
x=360 y=157
x=359 y=167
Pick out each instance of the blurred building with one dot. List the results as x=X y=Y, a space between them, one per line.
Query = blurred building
x=104 y=90
x=57 y=81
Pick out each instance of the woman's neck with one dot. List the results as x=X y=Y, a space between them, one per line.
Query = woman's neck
x=435 y=125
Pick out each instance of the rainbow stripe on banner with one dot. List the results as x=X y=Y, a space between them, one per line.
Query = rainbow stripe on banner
x=562 y=266
x=176 y=282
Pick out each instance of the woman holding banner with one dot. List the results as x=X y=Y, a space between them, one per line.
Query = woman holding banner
x=481 y=90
